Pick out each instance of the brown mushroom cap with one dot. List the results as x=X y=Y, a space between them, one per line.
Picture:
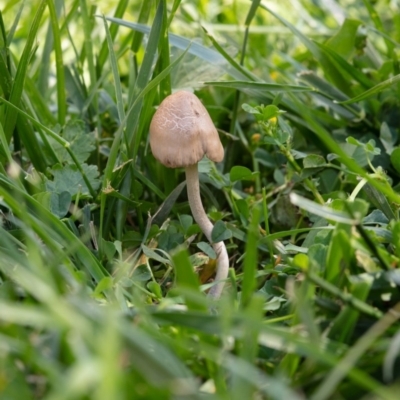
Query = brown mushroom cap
x=182 y=132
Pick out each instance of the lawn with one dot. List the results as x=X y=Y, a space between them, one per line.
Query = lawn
x=108 y=286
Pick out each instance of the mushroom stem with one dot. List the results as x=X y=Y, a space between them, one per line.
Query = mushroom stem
x=200 y=216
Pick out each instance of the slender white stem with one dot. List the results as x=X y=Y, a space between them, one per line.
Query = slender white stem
x=200 y=216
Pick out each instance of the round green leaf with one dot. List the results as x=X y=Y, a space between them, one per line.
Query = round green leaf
x=270 y=111
x=207 y=249
x=220 y=232
x=155 y=288
x=248 y=108
x=239 y=173
x=395 y=159
x=313 y=161
x=59 y=203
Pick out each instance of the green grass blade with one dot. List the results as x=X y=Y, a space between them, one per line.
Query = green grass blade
x=250 y=15
x=241 y=71
x=329 y=384
x=174 y=9
x=158 y=362
x=164 y=58
x=134 y=134
x=18 y=84
x=354 y=302
x=329 y=68
x=44 y=72
x=5 y=77
x=344 y=324
x=186 y=279
x=14 y=26
x=143 y=18
x=60 y=140
x=374 y=90
x=379 y=201
x=252 y=11
x=242 y=388
x=105 y=48
x=321 y=210
x=145 y=72
x=250 y=259
x=330 y=95
x=61 y=97
x=114 y=68
x=54 y=229
x=345 y=66
x=88 y=55
x=4 y=145
x=379 y=25
x=261 y=86
x=210 y=56
x=282 y=234
x=88 y=42
x=32 y=144
x=38 y=105
x=343 y=41
x=30 y=315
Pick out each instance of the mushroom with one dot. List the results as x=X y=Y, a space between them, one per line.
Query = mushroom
x=181 y=134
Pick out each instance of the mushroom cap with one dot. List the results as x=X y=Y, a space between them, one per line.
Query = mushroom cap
x=182 y=132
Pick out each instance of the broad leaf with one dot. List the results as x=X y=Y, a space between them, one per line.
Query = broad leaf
x=220 y=232
x=207 y=249
x=69 y=179
x=81 y=142
x=239 y=173
x=59 y=203
x=314 y=161
x=343 y=42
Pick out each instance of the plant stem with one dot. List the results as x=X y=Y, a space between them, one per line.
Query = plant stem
x=200 y=216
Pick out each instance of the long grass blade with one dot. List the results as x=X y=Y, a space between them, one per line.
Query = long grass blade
x=271 y=87
x=61 y=97
x=374 y=90
x=113 y=31
x=18 y=84
x=114 y=68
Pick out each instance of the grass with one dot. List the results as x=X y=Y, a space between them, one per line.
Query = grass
x=103 y=271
